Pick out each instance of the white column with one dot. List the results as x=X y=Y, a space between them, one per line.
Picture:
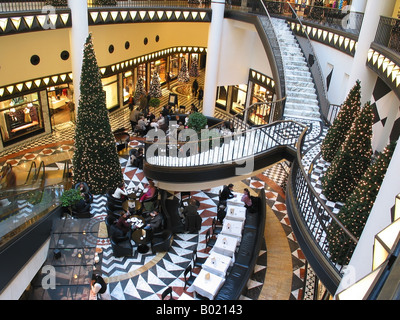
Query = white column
x=213 y=52
x=358 y=5
x=373 y=10
x=77 y=37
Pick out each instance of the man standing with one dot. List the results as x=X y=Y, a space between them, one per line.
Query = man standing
x=134 y=117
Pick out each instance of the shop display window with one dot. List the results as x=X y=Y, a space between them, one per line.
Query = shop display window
x=20 y=116
x=222 y=95
x=110 y=86
x=160 y=66
x=260 y=114
x=128 y=87
x=58 y=96
x=174 y=65
x=239 y=93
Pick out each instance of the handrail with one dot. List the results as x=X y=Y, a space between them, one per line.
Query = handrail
x=321 y=89
x=240 y=145
x=41 y=165
x=33 y=164
x=311 y=219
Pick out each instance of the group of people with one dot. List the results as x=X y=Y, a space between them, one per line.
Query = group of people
x=152 y=218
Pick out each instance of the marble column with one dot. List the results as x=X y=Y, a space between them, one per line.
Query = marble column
x=78 y=35
x=213 y=52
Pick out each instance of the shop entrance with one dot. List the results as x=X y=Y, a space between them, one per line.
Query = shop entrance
x=61 y=104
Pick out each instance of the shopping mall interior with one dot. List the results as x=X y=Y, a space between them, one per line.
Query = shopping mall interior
x=275 y=77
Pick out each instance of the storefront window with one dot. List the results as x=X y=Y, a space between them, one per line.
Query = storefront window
x=110 y=86
x=174 y=65
x=260 y=113
x=20 y=116
x=222 y=95
x=239 y=98
x=59 y=99
x=128 y=86
x=160 y=66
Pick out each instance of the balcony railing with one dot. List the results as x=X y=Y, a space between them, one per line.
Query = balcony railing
x=330 y=17
x=388 y=33
x=312 y=219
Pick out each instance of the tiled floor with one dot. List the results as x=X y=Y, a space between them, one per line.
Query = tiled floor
x=146 y=276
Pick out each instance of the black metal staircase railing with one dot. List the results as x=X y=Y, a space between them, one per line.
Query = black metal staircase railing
x=310 y=219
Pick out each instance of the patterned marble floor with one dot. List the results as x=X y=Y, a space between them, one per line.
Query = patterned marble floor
x=144 y=277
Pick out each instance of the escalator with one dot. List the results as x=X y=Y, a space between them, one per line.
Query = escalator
x=36 y=193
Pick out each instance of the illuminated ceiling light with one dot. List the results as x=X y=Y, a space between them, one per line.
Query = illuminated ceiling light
x=118 y=66
x=201 y=49
x=42 y=19
x=380 y=60
x=54 y=78
x=133 y=14
x=94 y=15
x=114 y=15
x=177 y=14
x=194 y=15
x=298 y=27
x=1 y=92
x=395 y=72
x=335 y=38
x=124 y=14
x=16 y=22
x=330 y=36
x=341 y=39
x=352 y=44
x=346 y=42
x=397 y=80
x=202 y=15
x=53 y=18
x=70 y=75
x=104 y=15
x=160 y=14
x=370 y=54
x=20 y=86
x=46 y=80
x=151 y=14
x=184 y=49
x=64 y=17
x=186 y=14
x=63 y=77
x=10 y=89
x=29 y=20
x=28 y=84
x=134 y=61
x=385 y=64
x=142 y=14
x=38 y=82
x=112 y=68
x=319 y=33
x=253 y=74
x=103 y=70
x=3 y=23
x=314 y=31
x=375 y=57
x=169 y=14
x=384 y=242
x=390 y=68
x=272 y=83
x=324 y=34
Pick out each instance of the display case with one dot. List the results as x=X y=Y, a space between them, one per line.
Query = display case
x=20 y=116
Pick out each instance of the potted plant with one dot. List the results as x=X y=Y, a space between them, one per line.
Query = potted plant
x=197 y=121
x=69 y=198
x=154 y=102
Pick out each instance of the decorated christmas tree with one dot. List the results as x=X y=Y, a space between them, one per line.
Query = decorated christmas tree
x=140 y=91
x=342 y=124
x=194 y=68
x=95 y=160
x=183 y=75
x=354 y=214
x=155 y=86
x=352 y=159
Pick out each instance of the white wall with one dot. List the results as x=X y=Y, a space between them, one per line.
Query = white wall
x=341 y=62
x=241 y=49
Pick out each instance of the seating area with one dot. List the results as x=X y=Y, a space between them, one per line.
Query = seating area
x=230 y=266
